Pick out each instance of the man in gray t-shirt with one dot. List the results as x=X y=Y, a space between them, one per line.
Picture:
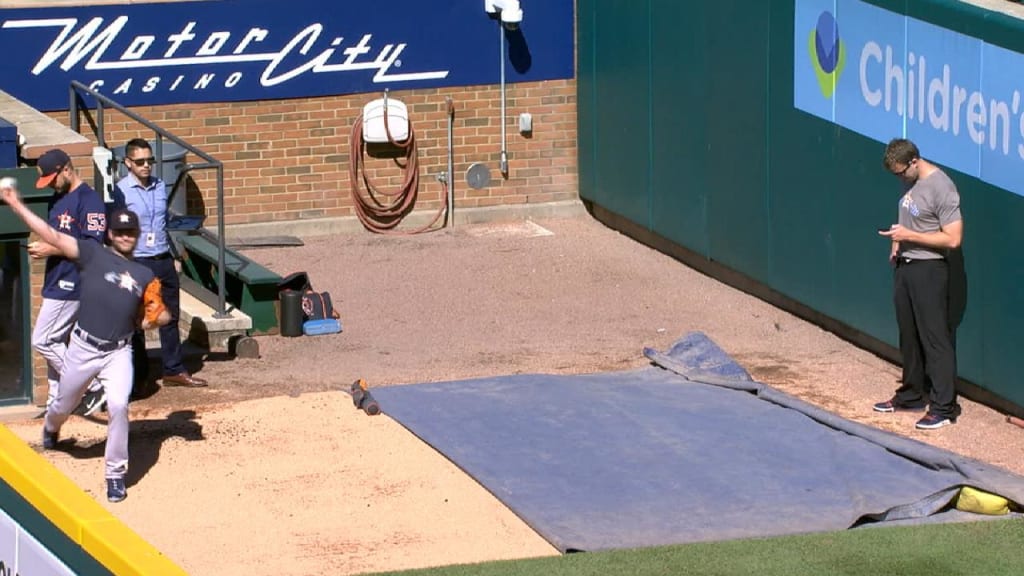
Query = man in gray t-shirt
x=929 y=227
x=117 y=295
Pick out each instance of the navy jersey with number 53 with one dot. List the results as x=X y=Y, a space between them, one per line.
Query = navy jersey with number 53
x=80 y=214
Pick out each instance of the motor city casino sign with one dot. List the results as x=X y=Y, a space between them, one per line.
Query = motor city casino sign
x=229 y=50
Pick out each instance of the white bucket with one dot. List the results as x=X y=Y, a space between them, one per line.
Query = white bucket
x=373 y=121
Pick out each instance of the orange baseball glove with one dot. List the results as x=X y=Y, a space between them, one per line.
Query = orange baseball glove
x=152 y=304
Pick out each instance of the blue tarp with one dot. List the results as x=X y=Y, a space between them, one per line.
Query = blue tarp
x=689 y=449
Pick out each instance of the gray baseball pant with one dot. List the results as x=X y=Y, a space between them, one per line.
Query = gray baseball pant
x=113 y=369
x=50 y=338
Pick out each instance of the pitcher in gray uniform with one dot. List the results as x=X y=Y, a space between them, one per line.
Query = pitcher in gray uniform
x=929 y=227
x=115 y=293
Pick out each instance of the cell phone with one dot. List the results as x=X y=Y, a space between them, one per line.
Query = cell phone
x=886 y=229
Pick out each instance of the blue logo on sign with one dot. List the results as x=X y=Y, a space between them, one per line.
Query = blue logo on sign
x=828 y=54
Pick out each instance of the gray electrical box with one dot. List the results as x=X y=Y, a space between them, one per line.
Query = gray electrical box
x=526 y=122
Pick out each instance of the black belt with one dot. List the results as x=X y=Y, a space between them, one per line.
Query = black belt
x=901 y=261
x=163 y=256
x=99 y=344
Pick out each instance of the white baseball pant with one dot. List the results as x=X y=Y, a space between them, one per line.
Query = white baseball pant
x=112 y=368
x=50 y=338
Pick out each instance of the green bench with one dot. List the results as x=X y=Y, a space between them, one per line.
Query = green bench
x=250 y=287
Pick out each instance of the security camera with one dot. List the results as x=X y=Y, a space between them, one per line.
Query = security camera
x=511 y=15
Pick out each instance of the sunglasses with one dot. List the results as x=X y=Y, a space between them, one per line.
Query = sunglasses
x=142 y=161
x=904 y=171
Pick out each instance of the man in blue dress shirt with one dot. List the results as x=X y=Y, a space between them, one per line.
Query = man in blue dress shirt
x=146 y=195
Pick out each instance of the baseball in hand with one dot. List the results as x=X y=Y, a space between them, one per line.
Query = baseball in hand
x=8 y=182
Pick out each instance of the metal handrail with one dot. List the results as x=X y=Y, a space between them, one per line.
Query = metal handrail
x=210 y=163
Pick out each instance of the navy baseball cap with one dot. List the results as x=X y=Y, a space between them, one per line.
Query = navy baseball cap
x=50 y=164
x=123 y=220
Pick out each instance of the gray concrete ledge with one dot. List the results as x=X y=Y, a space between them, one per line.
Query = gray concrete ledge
x=19 y=413
x=199 y=326
x=41 y=132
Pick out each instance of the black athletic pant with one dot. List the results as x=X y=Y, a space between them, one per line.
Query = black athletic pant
x=170 y=337
x=921 y=296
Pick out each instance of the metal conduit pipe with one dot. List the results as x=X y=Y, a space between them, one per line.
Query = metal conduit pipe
x=450 y=177
x=503 y=159
x=509 y=14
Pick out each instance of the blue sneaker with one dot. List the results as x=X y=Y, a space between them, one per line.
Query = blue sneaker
x=934 y=422
x=893 y=406
x=50 y=439
x=116 y=490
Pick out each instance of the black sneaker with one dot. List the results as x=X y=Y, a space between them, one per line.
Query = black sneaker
x=116 y=490
x=892 y=406
x=934 y=422
x=50 y=439
x=92 y=402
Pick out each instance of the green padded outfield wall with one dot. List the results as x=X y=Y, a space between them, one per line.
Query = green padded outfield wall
x=751 y=134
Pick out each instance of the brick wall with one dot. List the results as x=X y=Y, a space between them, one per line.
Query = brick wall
x=290 y=159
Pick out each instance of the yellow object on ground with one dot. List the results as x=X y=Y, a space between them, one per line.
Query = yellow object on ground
x=979 y=502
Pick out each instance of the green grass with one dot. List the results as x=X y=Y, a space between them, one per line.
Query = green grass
x=993 y=548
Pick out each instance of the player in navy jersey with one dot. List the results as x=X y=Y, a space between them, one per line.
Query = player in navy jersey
x=75 y=209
